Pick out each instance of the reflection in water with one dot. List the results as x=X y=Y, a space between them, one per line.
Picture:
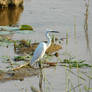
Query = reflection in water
x=77 y=80
x=10 y=16
x=40 y=81
x=44 y=85
x=75 y=27
x=86 y=24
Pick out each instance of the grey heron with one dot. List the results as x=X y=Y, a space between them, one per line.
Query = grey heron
x=41 y=49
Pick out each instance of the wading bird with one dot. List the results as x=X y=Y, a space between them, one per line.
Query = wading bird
x=41 y=49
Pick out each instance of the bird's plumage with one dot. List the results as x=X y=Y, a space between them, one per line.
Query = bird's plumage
x=39 y=52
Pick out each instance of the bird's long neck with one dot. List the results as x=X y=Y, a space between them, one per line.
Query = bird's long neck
x=49 y=40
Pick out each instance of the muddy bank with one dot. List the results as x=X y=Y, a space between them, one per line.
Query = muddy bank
x=6 y=3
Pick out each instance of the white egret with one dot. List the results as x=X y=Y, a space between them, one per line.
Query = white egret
x=41 y=49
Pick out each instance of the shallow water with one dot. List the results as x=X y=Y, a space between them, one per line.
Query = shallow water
x=68 y=17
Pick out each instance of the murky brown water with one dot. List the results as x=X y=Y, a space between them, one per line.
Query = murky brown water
x=69 y=17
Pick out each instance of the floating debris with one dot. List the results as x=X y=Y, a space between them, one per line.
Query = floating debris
x=19 y=58
x=6 y=40
x=8 y=28
x=25 y=70
x=27 y=47
x=16 y=28
x=22 y=58
x=53 y=48
x=22 y=71
x=18 y=74
x=75 y=63
x=25 y=27
x=51 y=63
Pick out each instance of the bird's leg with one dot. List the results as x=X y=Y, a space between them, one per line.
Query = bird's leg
x=36 y=64
x=40 y=64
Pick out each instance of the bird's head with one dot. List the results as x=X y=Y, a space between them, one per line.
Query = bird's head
x=51 y=31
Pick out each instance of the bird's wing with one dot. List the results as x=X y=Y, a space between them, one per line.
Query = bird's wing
x=39 y=52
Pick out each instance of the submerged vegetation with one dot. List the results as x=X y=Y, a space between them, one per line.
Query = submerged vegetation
x=72 y=63
x=22 y=58
x=18 y=71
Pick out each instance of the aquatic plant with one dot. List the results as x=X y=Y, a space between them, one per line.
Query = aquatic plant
x=20 y=58
x=73 y=63
x=25 y=27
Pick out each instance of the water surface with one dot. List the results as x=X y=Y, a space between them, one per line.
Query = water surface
x=69 y=17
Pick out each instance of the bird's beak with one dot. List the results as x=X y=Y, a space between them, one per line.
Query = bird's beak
x=54 y=31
